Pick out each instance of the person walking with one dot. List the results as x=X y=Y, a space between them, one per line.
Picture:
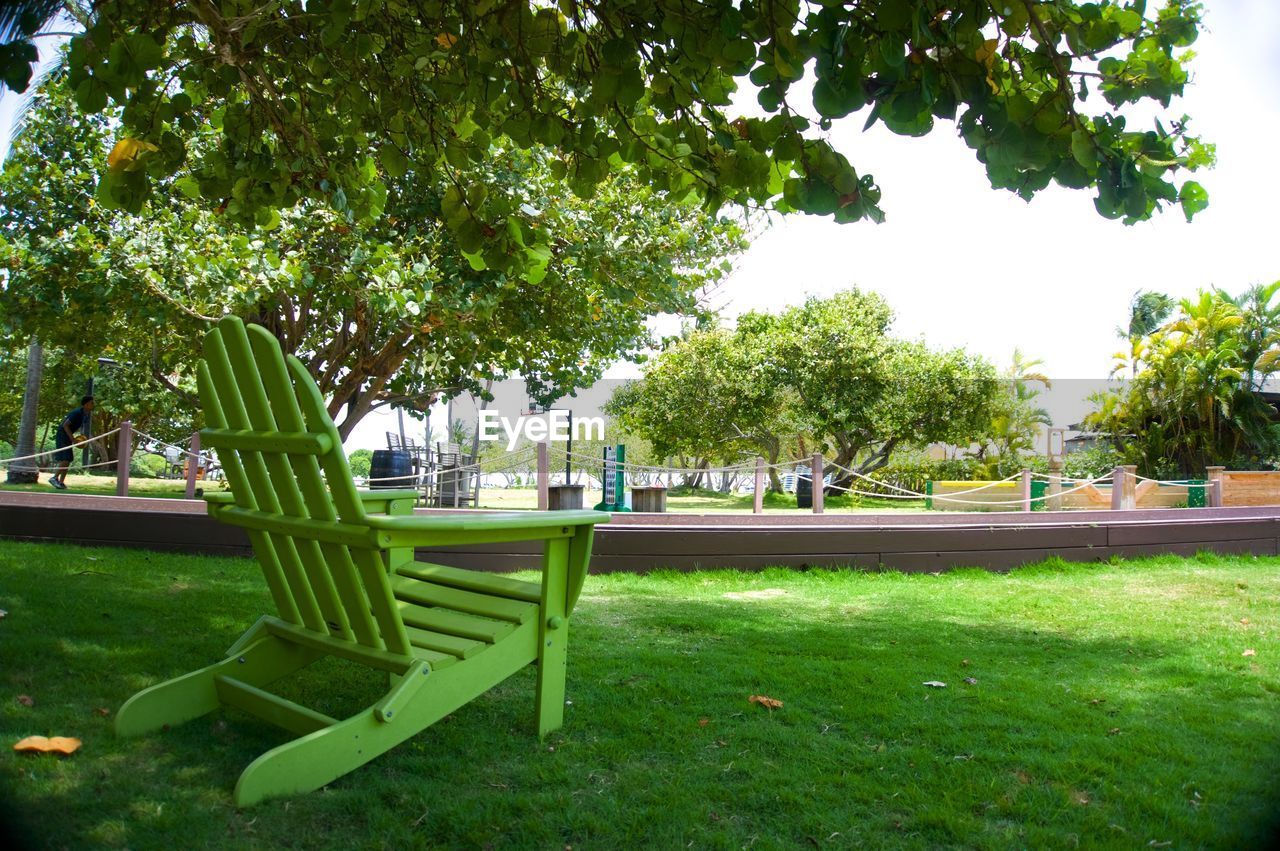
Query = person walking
x=73 y=423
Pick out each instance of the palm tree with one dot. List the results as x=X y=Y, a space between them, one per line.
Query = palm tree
x=28 y=472
x=1260 y=332
x=20 y=21
x=1148 y=310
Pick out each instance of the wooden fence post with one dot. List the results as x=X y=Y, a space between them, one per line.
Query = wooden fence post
x=544 y=477
x=1214 y=495
x=193 y=464
x=818 y=475
x=1117 y=487
x=124 y=457
x=1026 y=489
x=1129 y=495
x=757 y=503
x=1054 y=501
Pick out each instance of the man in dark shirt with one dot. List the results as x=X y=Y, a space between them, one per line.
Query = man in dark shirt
x=74 y=422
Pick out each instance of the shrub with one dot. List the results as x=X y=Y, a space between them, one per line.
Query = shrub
x=361 y=462
x=1097 y=460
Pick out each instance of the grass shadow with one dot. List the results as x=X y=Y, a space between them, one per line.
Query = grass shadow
x=1108 y=706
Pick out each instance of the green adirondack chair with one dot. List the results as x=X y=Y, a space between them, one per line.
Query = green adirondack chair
x=345 y=584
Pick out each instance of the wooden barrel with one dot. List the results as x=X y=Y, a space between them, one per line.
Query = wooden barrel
x=652 y=500
x=391 y=468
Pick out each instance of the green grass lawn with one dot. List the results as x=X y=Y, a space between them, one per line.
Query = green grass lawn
x=106 y=486
x=1105 y=706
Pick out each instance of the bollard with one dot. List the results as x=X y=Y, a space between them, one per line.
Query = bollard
x=124 y=458
x=1054 y=501
x=544 y=477
x=1117 y=488
x=757 y=502
x=1026 y=489
x=1213 y=488
x=818 y=475
x=193 y=464
x=1129 y=494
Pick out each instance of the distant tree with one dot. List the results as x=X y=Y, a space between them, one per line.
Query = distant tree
x=825 y=374
x=361 y=462
x=1192 y=402
x=1016 y=417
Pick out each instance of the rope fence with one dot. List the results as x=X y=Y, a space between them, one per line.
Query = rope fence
x=538 y=460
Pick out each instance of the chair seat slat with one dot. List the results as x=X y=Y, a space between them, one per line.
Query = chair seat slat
x=426 y=639
x=467 y=602
x=470 y=580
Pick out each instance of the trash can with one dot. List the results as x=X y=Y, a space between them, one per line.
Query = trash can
x=1039 y=490
x=391 y=468
x=804 y=488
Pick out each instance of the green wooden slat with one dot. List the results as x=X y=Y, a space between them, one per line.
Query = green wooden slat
x=270 y=707
x=350 y=590
x=468 y=602
x=263 y=550
x=469 y=580
x=368 y=563
x=462 y=625
x=300 y=442
x=227 y=384
x=425 y=639
x=282 y=480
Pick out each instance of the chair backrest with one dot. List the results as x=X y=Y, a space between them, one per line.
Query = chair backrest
x=393 y=440
x=293 y=490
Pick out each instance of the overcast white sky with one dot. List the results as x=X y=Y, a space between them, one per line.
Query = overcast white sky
x=963 y=265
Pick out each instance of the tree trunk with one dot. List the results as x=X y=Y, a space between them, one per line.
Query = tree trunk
x=28 y=472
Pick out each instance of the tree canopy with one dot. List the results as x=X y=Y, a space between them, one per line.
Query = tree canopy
x=332 y=100
x=383 y=311
x=824 y=374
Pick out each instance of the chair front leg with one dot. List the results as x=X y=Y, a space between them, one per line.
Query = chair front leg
x=553 y=637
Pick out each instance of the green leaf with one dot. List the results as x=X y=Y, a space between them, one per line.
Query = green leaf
x=1193 y=198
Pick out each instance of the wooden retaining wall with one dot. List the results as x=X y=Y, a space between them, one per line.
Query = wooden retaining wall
x=640 y=542
x=1247 y=487
x=1007 y=496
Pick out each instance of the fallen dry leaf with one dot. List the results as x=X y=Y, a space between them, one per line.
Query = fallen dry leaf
x=1114 y=731
x=1080 y=798
x=935 y=684
x=1244 y=621
x=767 y=702
x=1249 y=652
x=103 y=711
x=41 y=744
x=26 y=700
x=702 y=722
x=964 y=662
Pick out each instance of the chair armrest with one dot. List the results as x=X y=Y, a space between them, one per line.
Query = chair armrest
x=480 y=528
x=388 y=501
